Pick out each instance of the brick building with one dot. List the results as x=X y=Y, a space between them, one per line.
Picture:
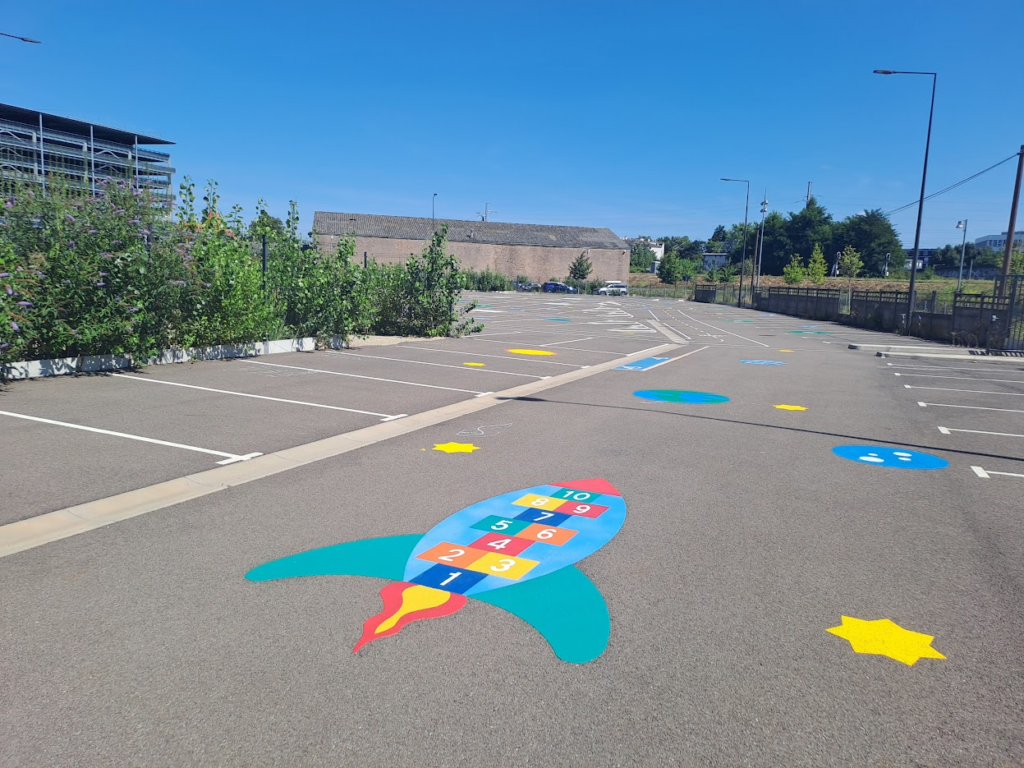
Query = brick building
x=536 y=251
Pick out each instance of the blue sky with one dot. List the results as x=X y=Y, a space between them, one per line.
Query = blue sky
x=614 y=114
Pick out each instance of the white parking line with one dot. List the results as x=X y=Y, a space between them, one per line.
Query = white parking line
x=984 y=474
x=962 y=378
x=229 y=458
x=944 y=368
x=440 y=365
x=500 y=357
x=567 y=341
x=947 y=430
x=972 y=391
x=709 y=325
x=128 y=377
x=371 y=378
x=969 y=407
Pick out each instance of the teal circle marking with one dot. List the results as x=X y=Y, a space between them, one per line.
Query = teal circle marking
x=887 y=456
x=557 y=319
x=680 y=396
x=811 y=333
x=763 y=362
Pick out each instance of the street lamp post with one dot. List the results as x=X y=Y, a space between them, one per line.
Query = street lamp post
x=920 y=202
x=19 y=37
x=963 y=249
x=433 y=224
x=743 y=259
x=760 y=247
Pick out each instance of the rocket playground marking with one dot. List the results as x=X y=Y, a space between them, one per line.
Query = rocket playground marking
x=516 y=551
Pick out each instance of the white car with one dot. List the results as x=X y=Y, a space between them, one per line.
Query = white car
x=613 y=289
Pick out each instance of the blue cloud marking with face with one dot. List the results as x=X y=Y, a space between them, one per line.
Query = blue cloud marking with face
x=888 y=456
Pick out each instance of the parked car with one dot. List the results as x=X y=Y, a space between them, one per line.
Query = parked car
x=613 y=288
x=559 y=288
x=527 y=286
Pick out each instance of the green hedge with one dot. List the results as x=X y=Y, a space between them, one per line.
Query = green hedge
x=115 y=274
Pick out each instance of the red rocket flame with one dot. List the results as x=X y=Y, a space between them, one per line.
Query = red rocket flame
x=405 y=603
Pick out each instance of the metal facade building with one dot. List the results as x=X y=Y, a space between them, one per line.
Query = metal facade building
x=536 y=251
x=37 y=146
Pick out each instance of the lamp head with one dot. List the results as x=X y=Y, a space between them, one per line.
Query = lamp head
x=961 y=225
x=885 y=72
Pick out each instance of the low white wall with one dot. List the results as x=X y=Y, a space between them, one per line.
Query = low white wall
x=33 y=369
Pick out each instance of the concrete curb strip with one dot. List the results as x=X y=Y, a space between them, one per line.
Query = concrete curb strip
x=980 y=358
x=62 y=523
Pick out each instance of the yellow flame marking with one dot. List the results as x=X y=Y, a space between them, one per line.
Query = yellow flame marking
x=415 y=598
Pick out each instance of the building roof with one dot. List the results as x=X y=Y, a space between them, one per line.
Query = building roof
x=492 y=232
x=76 y=127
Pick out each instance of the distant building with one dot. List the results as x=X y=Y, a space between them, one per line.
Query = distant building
x=998 y=242
x=36 y=146
x=536 y=251
x=924 y=256
x=715 y=261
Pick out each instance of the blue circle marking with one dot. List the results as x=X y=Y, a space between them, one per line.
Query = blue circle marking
x=557 y=319
x=763 y=362
x=681 y=396
x=887 y=456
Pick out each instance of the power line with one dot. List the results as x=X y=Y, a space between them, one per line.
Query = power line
x=951 y=186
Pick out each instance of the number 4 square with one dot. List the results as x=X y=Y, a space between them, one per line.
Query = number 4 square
x=507 y=545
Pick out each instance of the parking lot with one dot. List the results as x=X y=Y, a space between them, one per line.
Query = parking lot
x=775 y=499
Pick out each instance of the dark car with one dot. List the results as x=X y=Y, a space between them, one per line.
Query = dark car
x=527 y=286
x=558 y=288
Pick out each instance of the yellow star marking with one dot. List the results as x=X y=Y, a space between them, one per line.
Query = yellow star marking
x=477 y=365
x=790 y=407
x=456 y=447
x=787 y=350
x=886 y=638
x=530 y=352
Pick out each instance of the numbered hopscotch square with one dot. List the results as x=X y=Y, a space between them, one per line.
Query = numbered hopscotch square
x=497 y=524
x=500 y=542
x=458 y=555
x=534 y=501
x=448 y=578
x=546 y=534
x=497 y=564
x=574 y=495
x=540 y=516
x=575 y=509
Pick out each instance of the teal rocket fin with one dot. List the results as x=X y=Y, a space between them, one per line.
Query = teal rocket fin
x=384 y=558
x=565 y=607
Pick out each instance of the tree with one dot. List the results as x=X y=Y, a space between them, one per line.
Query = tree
x=776 y=245
x=581 y=267
x=871 y=235
x=816 y=266
x=793 y=273
x=265 y=224
x=1017 y=262
x=810 y=226
x=683 y=247
x=671 y=269
x=640 y=256
x=850 y=262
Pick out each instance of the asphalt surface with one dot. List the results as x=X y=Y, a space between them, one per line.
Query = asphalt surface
x=746 y=538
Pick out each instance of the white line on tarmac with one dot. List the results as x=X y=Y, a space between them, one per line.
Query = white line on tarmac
x=947 y=430
x=985 y=473
x=709 y=325
x=128 y=377
x=969 y=407
x=229 y=458
x=439 y=365
x=371 y=378
x=963 y=378
x=944 y=368
x=567 y=341
x=500 y=357
x=972 y=391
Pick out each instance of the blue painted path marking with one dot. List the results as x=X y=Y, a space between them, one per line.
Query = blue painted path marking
x=646 y=364
x=681 y=396
x=763 y=362
x=887 y=456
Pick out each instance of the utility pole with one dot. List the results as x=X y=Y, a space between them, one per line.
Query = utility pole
x=1008 y=253
x=759 y=253
x=487 y=212
x=809 y=183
